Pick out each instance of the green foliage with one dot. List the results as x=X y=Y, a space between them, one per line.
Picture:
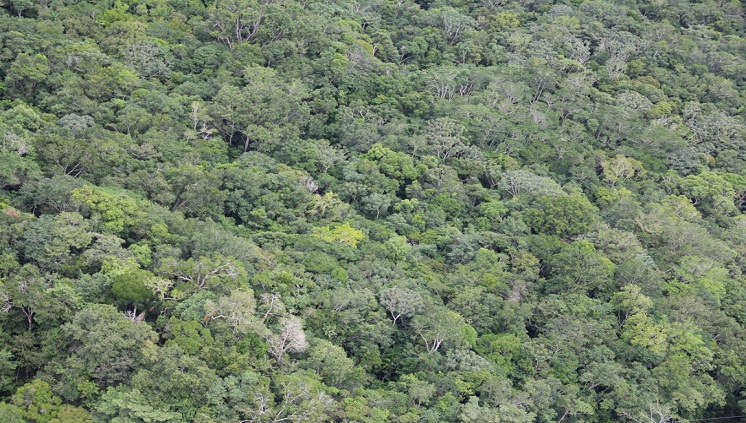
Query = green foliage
x=36 y=401
x=11 y=413
x=253 y=115
x=564 y=216
x=439 y=325
x=217 y=273
x=105 y=346
x=52 y=242
x=131 y=406
x=332 y=364
x=131 y=287
x=71 y=414
x=340 y=234
x=577 y=266
x=117 y=213
x=265 y=211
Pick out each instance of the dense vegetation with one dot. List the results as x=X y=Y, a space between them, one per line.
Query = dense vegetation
x=372 y=210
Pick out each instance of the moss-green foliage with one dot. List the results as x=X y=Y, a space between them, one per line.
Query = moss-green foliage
x=561 y=215
x=372 y=211
x=340 y=234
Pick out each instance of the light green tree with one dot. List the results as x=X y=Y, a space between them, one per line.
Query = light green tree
x=36 y=401
x=439 y=325
x=340 y=234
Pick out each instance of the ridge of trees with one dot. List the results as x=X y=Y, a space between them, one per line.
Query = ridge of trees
x=372 y=211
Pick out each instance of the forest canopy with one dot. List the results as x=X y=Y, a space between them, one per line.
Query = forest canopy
x=372 y=211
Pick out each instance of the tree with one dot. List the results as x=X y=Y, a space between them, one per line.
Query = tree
x=264 y=114
x=217 y=273
x=238 y=310
x=419 y=392
x=670 y=230
x=289 y=338
x=579 y=267
x=620 y=169
x=15 y=170
x=52 y=195
x=487 y=311
x=514 y=182
x=703 y=275
x=71 y=414
x=445 y=138
x=327 y=156
x=400 y=302
x=440 y=325
x=378 y=203
x=454 y=23
x=27 y=71
x=131 y=288
x=131 y=405
x=25 y=291
x=179 y=383
x=473 y=412
x=195 y=191
x=656 y=413
x=70 y=156
x=11 y=413
x=711 y=192
x=554 y=401
x=630 y=301
x=562 y=215
x=51 y=241
x=149 y=58
x=340 y=234
x=393 y=164
x=300 y=397
x=236 y=21
x=104 y=345
x=36 y=401
x=117 y=212
x=333 y=366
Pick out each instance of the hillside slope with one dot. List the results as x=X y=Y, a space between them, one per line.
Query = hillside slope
x=372 y=211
